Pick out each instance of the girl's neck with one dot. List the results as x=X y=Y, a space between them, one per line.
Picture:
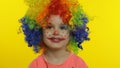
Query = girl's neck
x=58 y=56
x=56 y=53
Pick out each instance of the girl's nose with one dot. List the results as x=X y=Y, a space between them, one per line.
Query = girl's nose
x=56 y=32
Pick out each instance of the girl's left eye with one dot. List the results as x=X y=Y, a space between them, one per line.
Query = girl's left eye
x=63 y=27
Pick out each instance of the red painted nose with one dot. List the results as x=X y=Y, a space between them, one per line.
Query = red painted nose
x=56 y=32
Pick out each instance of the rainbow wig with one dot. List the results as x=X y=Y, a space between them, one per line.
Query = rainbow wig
x=38 y=14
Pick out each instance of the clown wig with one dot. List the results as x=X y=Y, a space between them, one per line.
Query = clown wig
x=39 y=12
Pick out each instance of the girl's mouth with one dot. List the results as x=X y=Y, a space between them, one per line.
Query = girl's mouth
x=56 y=40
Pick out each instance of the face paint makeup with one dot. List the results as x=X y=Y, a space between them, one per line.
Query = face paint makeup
x=56 y=33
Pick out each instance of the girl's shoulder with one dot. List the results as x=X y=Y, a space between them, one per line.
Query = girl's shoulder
x=38 y=62
x=78 y=61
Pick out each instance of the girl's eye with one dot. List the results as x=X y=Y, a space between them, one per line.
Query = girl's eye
x=63 y=27
x=48 y=27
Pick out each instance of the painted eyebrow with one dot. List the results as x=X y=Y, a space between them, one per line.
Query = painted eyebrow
x=49 y=23
x=64 y=25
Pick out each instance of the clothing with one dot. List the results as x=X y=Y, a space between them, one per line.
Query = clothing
x=72 y=61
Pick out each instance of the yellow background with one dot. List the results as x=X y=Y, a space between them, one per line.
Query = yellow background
x=102 y=51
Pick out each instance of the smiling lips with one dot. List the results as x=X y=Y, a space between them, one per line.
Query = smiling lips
x=56 y=40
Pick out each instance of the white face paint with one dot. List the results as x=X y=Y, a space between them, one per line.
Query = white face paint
x=56 y=33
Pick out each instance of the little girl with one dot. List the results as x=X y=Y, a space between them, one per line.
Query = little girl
x=55 y=28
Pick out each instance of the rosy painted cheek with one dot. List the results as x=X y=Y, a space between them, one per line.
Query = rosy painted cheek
x=48 y=34
x=65 y=34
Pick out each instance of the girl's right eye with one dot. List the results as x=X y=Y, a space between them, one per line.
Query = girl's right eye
x=48 y=27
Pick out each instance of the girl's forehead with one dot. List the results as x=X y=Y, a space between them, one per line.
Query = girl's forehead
x=55 y=19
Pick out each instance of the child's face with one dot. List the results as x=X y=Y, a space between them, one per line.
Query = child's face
x=56 y=33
